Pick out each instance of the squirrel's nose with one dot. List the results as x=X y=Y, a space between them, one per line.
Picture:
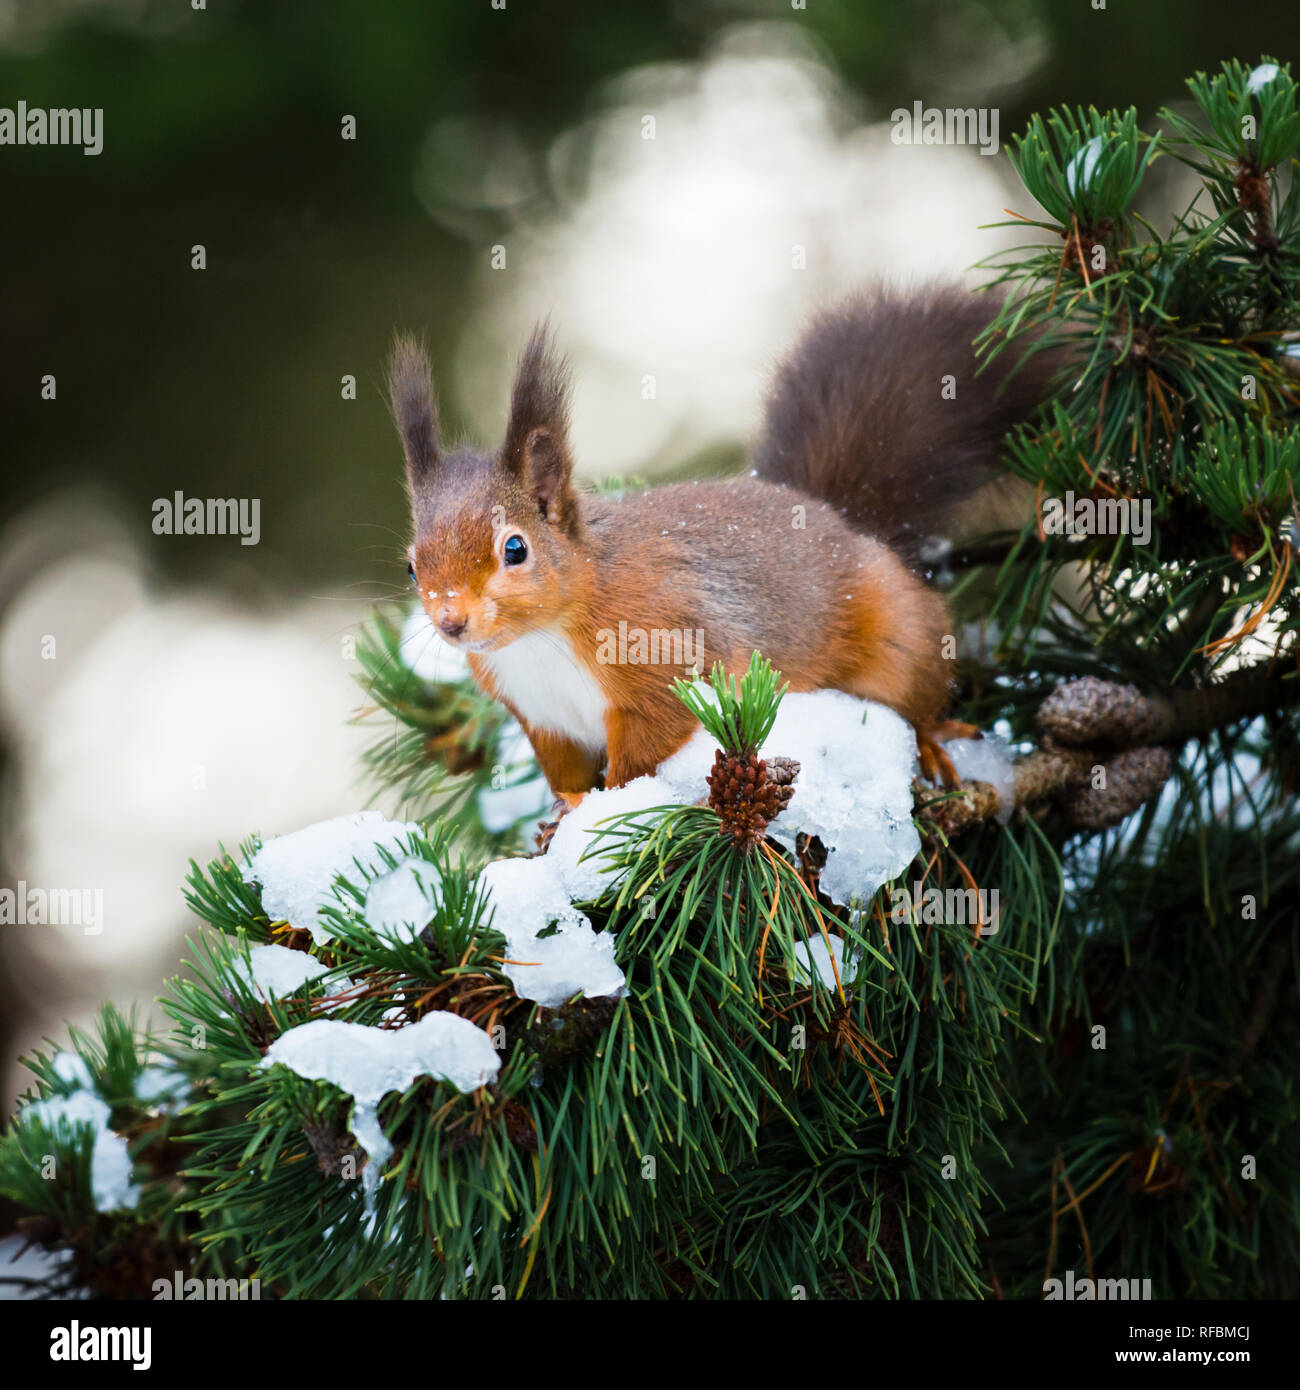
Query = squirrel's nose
x=452 y=625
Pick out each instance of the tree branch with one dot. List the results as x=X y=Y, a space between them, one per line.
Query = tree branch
x=1091 y=724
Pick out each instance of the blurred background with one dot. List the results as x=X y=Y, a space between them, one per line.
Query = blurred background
x=677 y=184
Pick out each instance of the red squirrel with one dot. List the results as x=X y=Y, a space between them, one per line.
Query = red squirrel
x=862 y=455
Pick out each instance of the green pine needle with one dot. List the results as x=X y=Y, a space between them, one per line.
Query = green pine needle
x=739 y=717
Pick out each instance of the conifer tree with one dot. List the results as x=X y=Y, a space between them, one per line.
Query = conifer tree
x=739 y=1059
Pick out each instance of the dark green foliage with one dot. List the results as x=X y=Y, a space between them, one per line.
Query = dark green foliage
x=48 y=1171
x=1178 y=935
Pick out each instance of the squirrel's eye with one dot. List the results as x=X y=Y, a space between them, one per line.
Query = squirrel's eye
x=515 y=551
x=410 y=570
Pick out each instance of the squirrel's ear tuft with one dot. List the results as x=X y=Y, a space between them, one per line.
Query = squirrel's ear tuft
x=410 y=391
x=536 y=449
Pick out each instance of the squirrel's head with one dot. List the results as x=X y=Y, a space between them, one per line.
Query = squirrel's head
x=496 y=535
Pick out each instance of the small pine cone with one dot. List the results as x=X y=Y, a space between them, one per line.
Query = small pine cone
x=782 y=772
x=1132 y=777
x=1089 y=710
x=748 y=793
x=330 y=1147
x=519 y=1127
x=1252 y=188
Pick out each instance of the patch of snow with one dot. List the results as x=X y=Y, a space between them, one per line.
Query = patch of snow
x=367 y=1063
x=987 y=759
x=276 y=970
x=400 y=903
x=425 y=654
x=812 y=954
x=854 y=789
x=334 y=991
x=162 y=1086
x=529 y=896
x=297 y=871
x=1080 y=170
x=110 y=1160
x=856 y=761
x=70 y=1067
x=586 y=881
x=685 y=772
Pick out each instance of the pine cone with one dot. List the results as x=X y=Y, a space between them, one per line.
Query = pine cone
x=330 y=1147
x=749 y=792
x=1132 y=777
x=1090 y=710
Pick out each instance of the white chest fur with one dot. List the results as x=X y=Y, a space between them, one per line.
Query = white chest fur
x=543 y=679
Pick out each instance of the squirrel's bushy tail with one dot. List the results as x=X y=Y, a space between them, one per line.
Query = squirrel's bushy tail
x=857 y=413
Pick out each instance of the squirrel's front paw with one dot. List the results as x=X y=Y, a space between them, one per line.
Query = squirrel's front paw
x=563 y=804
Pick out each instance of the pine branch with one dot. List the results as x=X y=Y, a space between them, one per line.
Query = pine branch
x=1274 y=972
x=1089 y=724
x=1095 y=712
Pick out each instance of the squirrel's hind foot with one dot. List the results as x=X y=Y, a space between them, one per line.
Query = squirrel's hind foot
x=936 y=765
